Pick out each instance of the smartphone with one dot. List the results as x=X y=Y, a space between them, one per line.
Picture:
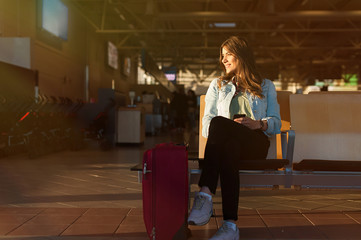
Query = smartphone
x=238 y=116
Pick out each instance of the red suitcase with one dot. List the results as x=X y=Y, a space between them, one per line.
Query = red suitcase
x=165 y=192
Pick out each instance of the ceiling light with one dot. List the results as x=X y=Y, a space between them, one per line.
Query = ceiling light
x=272 y=34
x=304 y=2
x=119 y=13
x=224 y=25
x=122 y=17
x=149 y=9
x=281 y=25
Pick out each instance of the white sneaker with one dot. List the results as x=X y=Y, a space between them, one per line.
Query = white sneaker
x=201 y=211
x=226 y=232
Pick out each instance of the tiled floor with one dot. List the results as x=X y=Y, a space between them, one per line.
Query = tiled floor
x=90 y=194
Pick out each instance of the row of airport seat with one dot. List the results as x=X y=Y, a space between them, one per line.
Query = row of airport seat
x=319 y=147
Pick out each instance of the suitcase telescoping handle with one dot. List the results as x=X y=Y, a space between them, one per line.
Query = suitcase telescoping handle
x=145 y=171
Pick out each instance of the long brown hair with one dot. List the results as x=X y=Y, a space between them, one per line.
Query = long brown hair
x=248 y=78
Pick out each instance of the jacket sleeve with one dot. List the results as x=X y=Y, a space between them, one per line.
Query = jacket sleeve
x=210 y=109
x=273 y=111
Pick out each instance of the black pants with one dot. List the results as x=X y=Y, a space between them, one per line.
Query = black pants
x=228 y=143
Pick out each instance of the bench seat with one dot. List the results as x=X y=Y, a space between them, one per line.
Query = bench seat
x=258 y=164
x=328 y=165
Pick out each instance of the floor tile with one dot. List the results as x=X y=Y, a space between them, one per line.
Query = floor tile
x=131 y=231
x=16 y=218
x=354 y=215
x=20 y=210
x=255 y=233
x=107 y=211
x=7 y=227
x=135 y=211
x=64 y=211
x=39 y=230
x=250 y=222
x=100 y=219
x=98 y=229
x=51 y=219
x=279 y=213
x=132 y=225
x=295 y=232
x=287 y=222
x=203 y=232
x=329 y=218
x=340 y=231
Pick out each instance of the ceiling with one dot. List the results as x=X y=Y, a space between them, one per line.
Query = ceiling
x=299 y=39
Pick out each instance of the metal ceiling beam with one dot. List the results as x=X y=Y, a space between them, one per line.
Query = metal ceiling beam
x=231 y=30
x=289 y=61
x=115 y=2
x=104 y=14
x=232 y=16
x=136 y=17
x=80 y=11
x=260 y=48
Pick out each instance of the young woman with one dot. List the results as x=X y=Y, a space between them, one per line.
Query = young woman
x=241 y=112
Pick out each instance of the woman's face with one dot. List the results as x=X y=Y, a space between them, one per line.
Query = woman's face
x=229 y=61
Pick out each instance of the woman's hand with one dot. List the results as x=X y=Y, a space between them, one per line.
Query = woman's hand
x=249 y=122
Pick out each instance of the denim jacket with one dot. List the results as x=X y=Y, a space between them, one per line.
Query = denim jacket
x=218 y=102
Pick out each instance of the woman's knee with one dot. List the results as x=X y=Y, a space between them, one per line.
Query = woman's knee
x=217 y=123
x=225 y=126
x=218 y=120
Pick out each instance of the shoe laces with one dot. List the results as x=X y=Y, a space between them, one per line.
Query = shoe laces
x=223 y=229
x=199 y=202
